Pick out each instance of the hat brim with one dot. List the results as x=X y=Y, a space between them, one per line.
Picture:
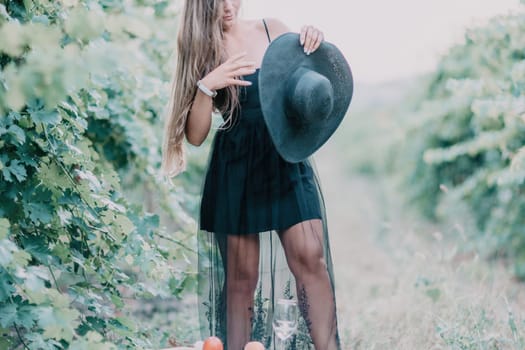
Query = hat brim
x=297 y=141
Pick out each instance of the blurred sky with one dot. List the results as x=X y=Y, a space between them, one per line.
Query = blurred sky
x=385 y=39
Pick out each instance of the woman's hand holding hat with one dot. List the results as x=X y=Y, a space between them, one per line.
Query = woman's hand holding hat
x=311 y=38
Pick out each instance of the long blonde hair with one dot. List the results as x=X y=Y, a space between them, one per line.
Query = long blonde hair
x=200 y=49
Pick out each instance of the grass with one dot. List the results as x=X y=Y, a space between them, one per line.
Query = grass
x=403 y=282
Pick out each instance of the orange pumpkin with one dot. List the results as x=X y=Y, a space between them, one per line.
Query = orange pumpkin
x=254 y=345
x=212 y=343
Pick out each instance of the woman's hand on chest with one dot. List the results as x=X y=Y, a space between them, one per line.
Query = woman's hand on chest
x=228 y=73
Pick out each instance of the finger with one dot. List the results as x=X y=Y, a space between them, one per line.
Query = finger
x=239 y=82
x=315 y=41
x=319 y=41
x=308 y=41
x=242 y=64
x=302 y=37
x=243 y=71
x=316 y=38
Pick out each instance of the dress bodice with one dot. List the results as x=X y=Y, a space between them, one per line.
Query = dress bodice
x=249 y=95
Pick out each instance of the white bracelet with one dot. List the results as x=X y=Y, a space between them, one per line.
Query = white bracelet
x=204 y=89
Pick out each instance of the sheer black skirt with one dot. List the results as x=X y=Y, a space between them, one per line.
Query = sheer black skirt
x=249 y=189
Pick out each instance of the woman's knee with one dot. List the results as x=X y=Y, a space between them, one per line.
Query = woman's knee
x=308 y=260
x=243 y=278
x=303 y=245
x=243 y=263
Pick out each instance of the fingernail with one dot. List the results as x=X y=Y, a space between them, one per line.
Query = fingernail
x=305 y=50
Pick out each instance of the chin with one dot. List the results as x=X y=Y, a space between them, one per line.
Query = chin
x=227 y=24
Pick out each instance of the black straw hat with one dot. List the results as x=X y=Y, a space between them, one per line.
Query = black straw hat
x=303 y=97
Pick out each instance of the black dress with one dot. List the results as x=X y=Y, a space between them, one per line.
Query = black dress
x=249 y=189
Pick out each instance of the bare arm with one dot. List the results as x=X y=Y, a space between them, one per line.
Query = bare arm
x=199 y=120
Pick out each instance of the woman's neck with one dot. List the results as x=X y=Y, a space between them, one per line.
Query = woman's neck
x=235 y=28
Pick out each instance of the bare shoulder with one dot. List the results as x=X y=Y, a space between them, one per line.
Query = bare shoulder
x=275 y=26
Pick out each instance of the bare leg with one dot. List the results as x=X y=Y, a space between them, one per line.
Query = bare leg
x=303 y=246
x=241 y=280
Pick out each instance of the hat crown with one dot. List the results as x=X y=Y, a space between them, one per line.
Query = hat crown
x=310 y=95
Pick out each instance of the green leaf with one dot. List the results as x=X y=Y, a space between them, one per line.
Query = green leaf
x=70 y=198
x=92 y=322
x=12 y=38
x=123 y=325
x=53 y=177
x=3 y=130
x=124 y=223
x=29 y=159
x=37 y=246
x=14 y=169
x=6 y=288
x=27 y=315
x=21 y=258
x=4 y=228
x=46 y=117
x=119 y=303
x=83 y=24
x=7 y=315
x=39 y=212
x=37 y=341
x=6 y=252
x=41 y=19
x=3 y=12
x=15 y=97
x=34 y=281
x=58 y=323
x=18 y=133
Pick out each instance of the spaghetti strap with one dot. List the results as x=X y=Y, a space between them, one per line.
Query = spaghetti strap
x=267 y=33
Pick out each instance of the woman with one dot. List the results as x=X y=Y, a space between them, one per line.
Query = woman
x=262 y=230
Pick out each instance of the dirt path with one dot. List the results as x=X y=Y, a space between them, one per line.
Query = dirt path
x=404 y=284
